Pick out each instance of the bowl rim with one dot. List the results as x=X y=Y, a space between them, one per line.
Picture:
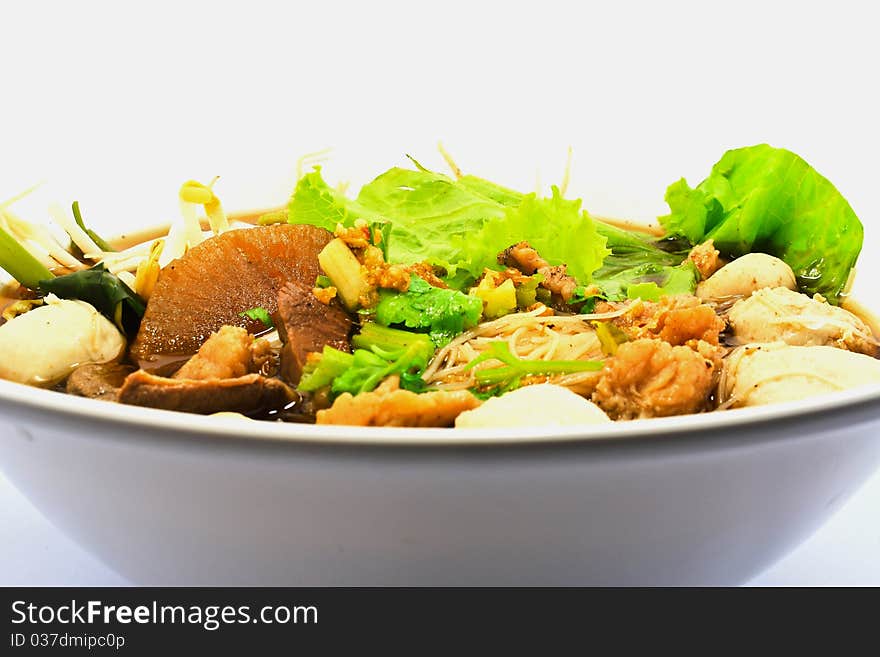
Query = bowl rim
x=651 y=431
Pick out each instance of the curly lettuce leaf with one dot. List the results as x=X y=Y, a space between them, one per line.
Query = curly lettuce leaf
x=315 y=202
x=490 y=190
x=461 y=225
x=770 y=200
x=555 y=227
x=444 y=313
x=427 y=211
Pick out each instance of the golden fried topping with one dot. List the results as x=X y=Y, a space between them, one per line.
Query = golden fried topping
x=389 y=406
x=227 y=354
x=651 y=378
x=675 y=319
x=325 y=294
x=705 y=259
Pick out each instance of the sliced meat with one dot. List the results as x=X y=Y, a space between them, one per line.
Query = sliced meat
x=227 y=354
x=389 y=406
x=98 y=380
x=306 y=325
x=523 y=257
x=651 y=378
x=557 y=280
x=250 y=394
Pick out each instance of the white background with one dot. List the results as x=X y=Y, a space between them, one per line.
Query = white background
x=116 y=104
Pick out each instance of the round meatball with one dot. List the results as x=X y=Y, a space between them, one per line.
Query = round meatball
x=745 y=275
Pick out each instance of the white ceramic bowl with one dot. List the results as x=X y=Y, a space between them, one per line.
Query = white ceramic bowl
x=169 y=498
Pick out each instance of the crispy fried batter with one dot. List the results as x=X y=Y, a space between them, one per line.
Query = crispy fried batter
x=651 y=378
x=325 y=294
x=227 y=354
x=675 y=319
x=705 y=259
x=389 y=406
x=357 y=236
x=380 y=274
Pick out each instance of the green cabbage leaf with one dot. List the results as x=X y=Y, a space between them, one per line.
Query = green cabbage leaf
x=770 y=200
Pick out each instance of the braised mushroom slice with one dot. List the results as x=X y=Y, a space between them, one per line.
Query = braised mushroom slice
x=98 y=380
x=251 y=394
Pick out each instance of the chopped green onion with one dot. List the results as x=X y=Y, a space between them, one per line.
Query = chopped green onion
x=97 y=239
x=610 y=337
x=509 y=375
x=20 y=264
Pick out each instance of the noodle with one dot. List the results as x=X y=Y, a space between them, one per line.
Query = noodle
x=530 y=336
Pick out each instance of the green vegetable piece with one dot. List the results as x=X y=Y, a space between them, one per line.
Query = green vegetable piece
x=20 y=264
x=428 y=211
x=497 y=193
x=510 y=374
x=527 y=291
x=380 y=234
x=260 y=314
x=498 y=301
x=770 y=200
x=380 y=352
x=610 y=337
x=389 y=339
x=273 y=217
x=631 y=249
x=650 y=282
x=105 y=291
x=333 y=363
x=315 y=202
x=97 y=239
x=444 y=313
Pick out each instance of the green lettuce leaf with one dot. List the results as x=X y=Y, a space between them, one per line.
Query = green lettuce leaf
x=315 y=202
x=427 y=212
x=365 y=369
x=770 y=200
x=462 y=225
x=555 y=227
x=490 y=190
x=650 y=281
x=443 y=313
